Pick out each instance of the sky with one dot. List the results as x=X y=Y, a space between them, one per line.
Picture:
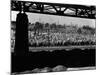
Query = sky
x=82 y=2
x=34 y=17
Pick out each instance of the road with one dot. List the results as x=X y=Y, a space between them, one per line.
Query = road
x=34 y=49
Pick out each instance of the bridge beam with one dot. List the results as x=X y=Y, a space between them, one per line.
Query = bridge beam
x=80 y=11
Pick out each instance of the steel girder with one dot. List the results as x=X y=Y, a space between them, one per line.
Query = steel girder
x=71 y=10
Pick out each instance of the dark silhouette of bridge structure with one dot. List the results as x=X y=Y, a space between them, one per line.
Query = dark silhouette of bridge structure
x=21 y=35
x=82 y=11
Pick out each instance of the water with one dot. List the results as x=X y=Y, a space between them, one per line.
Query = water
x=72 y=58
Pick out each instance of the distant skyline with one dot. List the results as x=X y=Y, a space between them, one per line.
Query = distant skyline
x=34 y=17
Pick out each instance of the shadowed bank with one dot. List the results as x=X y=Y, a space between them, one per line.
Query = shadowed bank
x=73 y=58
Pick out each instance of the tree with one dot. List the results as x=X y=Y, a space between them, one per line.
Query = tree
x=53 y=26
x=37 y=27
x=79 y=31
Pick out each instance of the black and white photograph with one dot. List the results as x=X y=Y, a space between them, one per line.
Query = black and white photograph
x=52 y=37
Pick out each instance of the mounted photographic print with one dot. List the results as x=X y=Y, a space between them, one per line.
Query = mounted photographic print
x=52 y=37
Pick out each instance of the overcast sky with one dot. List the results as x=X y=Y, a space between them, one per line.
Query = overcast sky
x=33 y=17
x=82 y=2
